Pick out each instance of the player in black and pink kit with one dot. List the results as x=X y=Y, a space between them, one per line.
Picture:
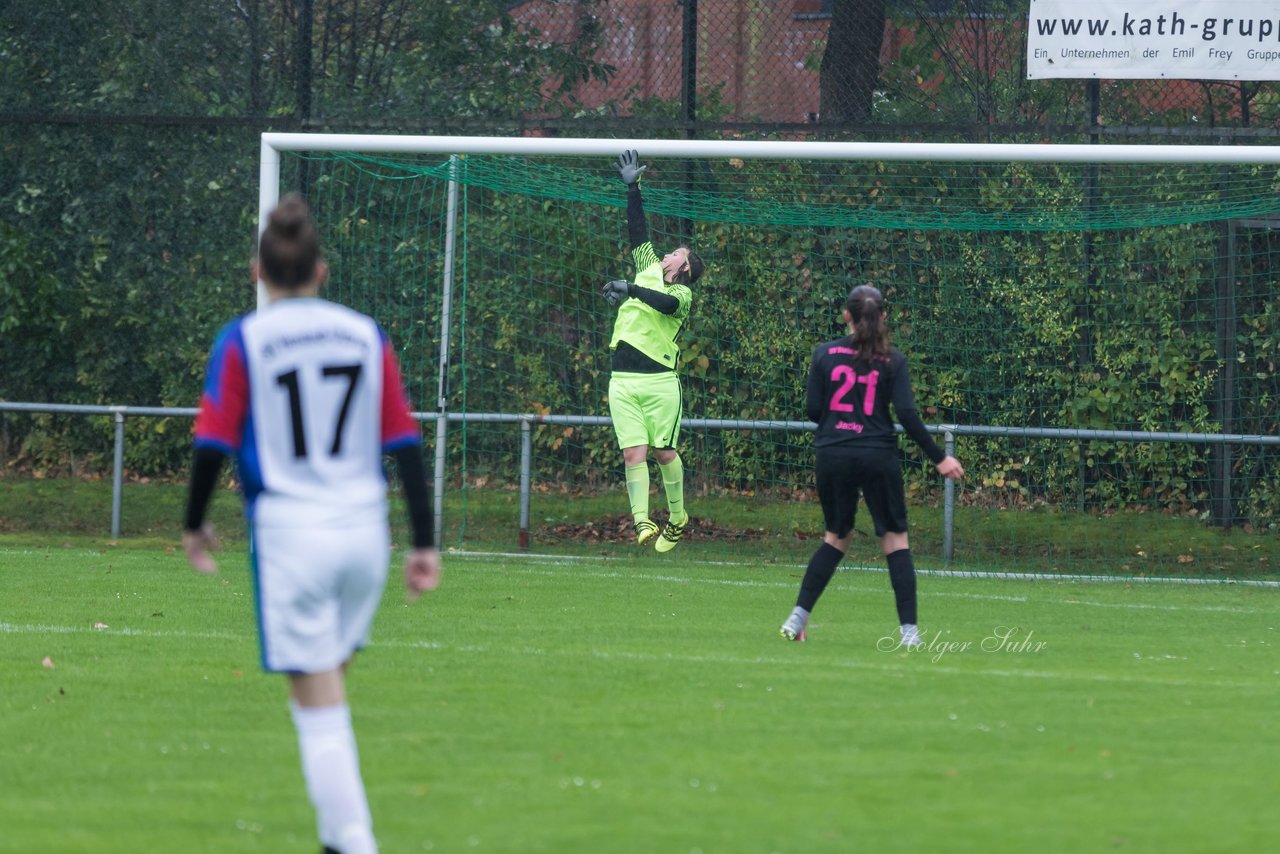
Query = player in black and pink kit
x=852 y=381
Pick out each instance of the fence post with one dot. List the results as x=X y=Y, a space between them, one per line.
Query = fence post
x=948 y=503
x=117 y=474
x=526 y=478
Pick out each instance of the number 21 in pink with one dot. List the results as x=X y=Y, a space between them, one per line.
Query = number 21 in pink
x=848 y=379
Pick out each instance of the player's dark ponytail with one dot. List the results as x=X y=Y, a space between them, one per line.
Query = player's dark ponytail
x=695 y=269
x=289 y=249
x=866 y=310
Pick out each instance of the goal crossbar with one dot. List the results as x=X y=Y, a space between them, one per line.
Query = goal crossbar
x=772 y=150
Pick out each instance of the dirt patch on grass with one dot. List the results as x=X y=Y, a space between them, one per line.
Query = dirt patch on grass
x=619 y=529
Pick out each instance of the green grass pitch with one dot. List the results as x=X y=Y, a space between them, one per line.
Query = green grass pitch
x=644 y=704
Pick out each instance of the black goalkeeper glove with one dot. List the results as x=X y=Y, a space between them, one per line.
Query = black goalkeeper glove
x=629 y=166
x=616 y=291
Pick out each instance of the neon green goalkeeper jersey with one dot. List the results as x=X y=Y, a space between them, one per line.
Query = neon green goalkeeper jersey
x=644 y=327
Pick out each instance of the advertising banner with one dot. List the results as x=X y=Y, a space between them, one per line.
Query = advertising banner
x=1189 y=40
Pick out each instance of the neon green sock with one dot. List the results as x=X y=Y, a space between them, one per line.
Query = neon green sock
x=638 y=490
x=673 y=482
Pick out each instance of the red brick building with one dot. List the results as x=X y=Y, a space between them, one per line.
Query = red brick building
x=763 y=55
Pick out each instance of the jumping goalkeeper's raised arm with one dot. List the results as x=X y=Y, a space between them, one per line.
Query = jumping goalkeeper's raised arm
x=637 y=228
x=653 y=286
x=642 y=251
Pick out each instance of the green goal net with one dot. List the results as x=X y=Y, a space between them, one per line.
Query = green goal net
x=1050 y=311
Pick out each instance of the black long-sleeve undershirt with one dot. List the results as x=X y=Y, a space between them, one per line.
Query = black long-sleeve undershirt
x=205 y=465
x=413 y=479
x=657 y=300
x=637 y=228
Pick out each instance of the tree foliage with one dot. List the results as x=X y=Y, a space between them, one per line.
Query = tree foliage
x=127 y=244
x=446 y=58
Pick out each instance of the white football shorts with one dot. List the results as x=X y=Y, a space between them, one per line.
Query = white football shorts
x=317 y=592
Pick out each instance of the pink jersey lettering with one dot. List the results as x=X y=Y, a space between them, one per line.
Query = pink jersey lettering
x=869 y=399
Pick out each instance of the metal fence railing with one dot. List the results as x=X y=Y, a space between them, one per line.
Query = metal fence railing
x=526 y=423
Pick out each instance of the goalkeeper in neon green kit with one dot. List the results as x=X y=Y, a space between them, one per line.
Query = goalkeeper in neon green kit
x=644 y=390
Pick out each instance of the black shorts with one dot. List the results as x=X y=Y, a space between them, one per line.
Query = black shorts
x=876 y=475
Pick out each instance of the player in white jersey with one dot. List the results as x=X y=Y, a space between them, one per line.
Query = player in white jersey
x=306 y=394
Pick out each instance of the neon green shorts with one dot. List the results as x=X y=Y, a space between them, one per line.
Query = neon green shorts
x=646 y=409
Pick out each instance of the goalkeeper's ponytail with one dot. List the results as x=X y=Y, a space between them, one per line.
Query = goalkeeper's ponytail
x=865 y=312
x=695 y=268
x=289 y=249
